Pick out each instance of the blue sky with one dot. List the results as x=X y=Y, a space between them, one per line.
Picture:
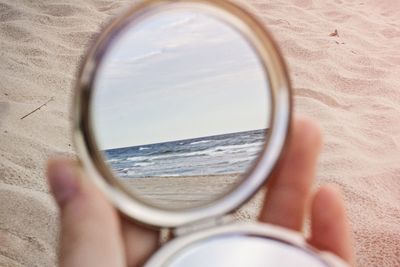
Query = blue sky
x=174 y=76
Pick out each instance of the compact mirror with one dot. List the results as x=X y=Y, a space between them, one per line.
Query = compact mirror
x=181 y=108
x=181 y=112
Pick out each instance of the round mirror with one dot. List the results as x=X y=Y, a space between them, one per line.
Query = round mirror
x=180 y=108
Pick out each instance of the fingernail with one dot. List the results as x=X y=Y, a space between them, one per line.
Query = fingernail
x=62 y=180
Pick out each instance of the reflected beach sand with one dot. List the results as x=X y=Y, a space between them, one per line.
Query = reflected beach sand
x=182 y=191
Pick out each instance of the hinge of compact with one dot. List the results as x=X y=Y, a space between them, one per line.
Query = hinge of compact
x=202 y=224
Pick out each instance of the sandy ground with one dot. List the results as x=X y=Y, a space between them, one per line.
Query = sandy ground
x=182 y=192
x=349 y=82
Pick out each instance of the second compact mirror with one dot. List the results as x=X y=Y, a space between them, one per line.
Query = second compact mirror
x=180 y=108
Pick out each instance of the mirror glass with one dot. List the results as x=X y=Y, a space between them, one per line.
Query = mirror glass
x=180 y=108
x=239 y=251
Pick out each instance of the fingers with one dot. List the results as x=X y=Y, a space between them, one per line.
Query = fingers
x=140 y=242
x=290 y=184
x=289 y=192
x=330 y=230
x=90 y=234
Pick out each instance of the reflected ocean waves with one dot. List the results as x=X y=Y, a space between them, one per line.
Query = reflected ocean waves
x=220 y=154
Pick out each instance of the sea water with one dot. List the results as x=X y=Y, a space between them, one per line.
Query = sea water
x=230 y=153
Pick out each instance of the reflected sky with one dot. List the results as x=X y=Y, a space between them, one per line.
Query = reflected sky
x=174 y=76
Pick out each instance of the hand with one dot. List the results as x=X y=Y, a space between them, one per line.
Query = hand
x=93 y=233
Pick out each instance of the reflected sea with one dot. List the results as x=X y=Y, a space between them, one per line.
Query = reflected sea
x=212 y=155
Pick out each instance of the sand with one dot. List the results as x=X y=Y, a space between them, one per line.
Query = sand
x=349 y=82
x=167 y=192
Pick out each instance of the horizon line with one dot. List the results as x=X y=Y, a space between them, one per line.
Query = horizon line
x=148 y=144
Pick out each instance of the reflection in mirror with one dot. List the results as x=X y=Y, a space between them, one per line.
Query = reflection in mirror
x=239 y=251
x=180 y=108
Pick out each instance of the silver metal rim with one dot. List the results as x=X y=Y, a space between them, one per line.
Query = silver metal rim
x=93 y=163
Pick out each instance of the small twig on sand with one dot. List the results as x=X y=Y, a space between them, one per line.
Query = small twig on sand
x=335 y=33
x=38 y=108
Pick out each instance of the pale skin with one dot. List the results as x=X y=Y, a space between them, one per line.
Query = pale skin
x=94 y=233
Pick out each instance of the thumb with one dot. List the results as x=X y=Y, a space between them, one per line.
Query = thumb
x=90 y=231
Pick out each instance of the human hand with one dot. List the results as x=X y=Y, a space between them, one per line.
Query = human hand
x=93 y=233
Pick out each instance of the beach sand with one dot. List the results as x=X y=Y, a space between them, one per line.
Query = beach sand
x=167 y=192
x=349 y=82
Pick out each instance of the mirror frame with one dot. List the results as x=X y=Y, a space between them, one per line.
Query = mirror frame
x=92 y=159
